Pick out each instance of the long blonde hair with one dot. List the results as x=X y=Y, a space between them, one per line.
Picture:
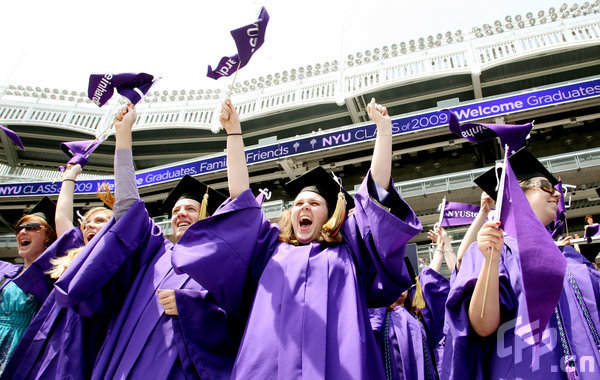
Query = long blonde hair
x=60 y=264
x=287 y=232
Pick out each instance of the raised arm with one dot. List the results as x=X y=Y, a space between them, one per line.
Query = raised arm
x=490 y=241
x=487 y=204
x=64 y=204
x=126 y=193
x=237 y=171
x=381 y=164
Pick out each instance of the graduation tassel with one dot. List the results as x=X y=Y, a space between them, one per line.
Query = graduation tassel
x=419 y=301
x=203 y=213
x=106 y=196
x=333 y=225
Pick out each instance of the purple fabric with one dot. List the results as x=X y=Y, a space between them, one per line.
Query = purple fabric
x=459 y=214
x=107 y=297
x=435 y=289
x=405 y=355
x=247 y=40
x=542 y=264
x=512 y=135
x=12 y=136
x=592 y=230
x=557 y=227
x=132 y=86
x=508 y=353
x=34 y=279
x=307 y=305
x=79 y=151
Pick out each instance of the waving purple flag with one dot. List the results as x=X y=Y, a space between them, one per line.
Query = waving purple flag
x=247 y=40
x=132 y=86
x=512 y=135
x=12 y=136
x=591 y=230
x=543 y=265
x=79 y=151
x=557 y=227
x=459 y=214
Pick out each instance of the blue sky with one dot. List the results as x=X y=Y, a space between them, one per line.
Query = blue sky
x=59 y=43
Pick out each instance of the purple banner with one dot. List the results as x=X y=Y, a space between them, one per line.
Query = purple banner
x=132 y=86
x=247 y=40
x=512 y=135
x=308 y=144
x=12 y=136
x=459 y=214
x=592 y=230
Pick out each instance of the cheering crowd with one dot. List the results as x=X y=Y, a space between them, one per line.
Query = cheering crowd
x=327 y=292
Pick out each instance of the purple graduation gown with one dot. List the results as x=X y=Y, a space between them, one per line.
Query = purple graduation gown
x=34 y=279
x=62 y=341
x=508 y=353
x=409 y=348
x=141 y=340
x=307 y=304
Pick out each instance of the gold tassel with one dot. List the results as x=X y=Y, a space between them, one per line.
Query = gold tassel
x=334 y=223
x=203 y=213
x=419 y=301
x=106 y=196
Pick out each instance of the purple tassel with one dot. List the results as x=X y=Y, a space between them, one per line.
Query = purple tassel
x=570 y=368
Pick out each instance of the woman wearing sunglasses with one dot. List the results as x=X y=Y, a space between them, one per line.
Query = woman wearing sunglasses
x=23 y=288
x=489 y=309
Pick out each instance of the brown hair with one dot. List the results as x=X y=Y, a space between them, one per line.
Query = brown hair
x=287 y=232
x=50 y=233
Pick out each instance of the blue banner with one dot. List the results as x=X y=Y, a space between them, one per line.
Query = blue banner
x=341 y=137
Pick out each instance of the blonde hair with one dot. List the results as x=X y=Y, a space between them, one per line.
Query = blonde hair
x=287 y=232
x=50 y=233
x=60 y=264
x=92 y=211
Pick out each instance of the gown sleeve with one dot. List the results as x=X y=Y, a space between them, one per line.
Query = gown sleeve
x=101 y=273
x=466 y=353
x=202 y=335
x=34 y=279
x=435 y=288
x=377 y=235
x=228 y=252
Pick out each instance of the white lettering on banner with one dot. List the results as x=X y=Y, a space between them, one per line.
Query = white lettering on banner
x=167 y=175
x=266 y=155
x=101 y=89
x=253 y=34
x=460 y=214
x=210 y=166
x=481 y=111
x=225 y=69
x=560 y=96
x=473 y=131
x=40 y=189
x=10 y=190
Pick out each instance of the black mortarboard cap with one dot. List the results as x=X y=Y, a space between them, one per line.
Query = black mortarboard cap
x=524 y=165
x=320 y=182
x=190 y=188
x=45 y=209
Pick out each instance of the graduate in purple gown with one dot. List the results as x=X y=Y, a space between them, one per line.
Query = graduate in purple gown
x=499 y=344
x=410 y=331
x=305 y=286
x=106 y=319
x=164 y=325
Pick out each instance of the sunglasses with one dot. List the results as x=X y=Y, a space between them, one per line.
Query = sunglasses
x=29 y=227
x=543 y=185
